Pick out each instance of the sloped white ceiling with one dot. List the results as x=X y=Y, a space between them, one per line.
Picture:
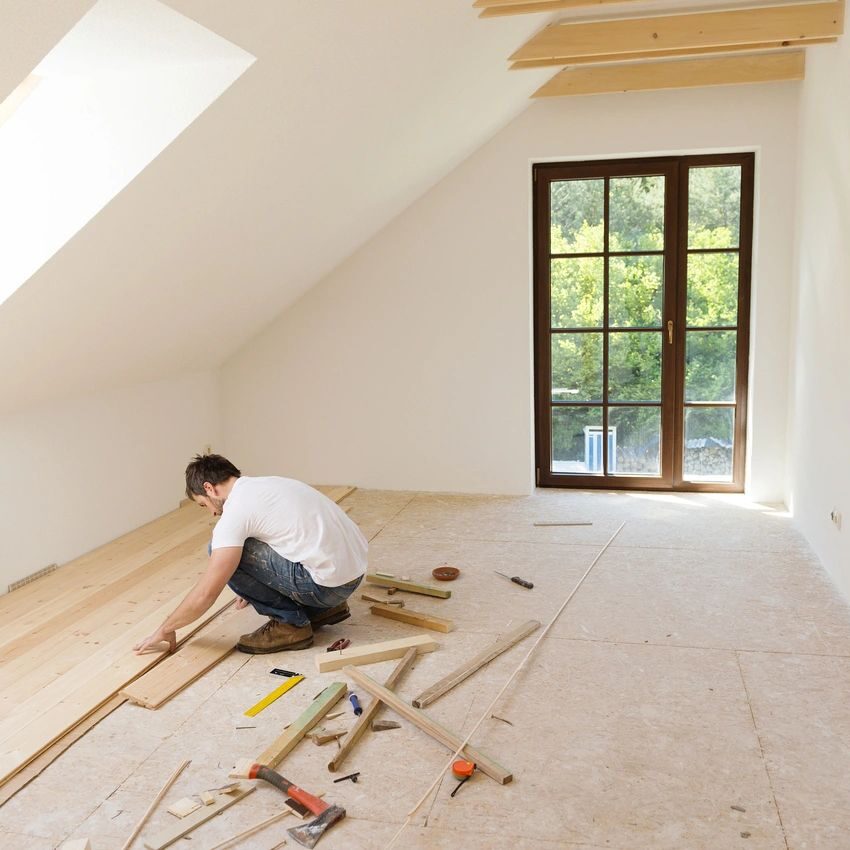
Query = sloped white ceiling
x=351 y=111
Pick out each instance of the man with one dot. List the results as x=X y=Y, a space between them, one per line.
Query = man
x=281 y=546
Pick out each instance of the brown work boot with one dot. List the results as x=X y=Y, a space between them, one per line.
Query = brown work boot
x=330 y=615
x=275 y=636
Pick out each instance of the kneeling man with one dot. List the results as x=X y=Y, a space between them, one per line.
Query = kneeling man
x=281 y=546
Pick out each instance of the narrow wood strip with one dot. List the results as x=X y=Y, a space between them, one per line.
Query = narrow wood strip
x=252 y=829
x=475 y=663
x=409 y=586
x=676 y=74
x=370 y=713
x=495 y=9
x=374 y=652
x=168 y=836
x=414 y=618
x=283 y=744
x=791 y=23
x=449 y=739
x=149 y=811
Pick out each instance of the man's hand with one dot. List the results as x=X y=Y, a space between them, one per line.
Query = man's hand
x=152 y=642
x=240 y=603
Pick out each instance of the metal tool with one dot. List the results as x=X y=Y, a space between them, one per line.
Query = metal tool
x=327 y=815
x=342 y=643
x=355 y=704
x=516 y=580
x=278 y=672
x=351 y=776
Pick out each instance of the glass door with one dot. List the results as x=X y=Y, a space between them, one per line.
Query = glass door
x=641 y=309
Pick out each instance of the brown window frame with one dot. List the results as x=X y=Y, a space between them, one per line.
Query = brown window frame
x=673 y=405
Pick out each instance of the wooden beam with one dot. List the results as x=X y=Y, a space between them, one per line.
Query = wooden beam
x=792 y=23
x=419 y=718
x=664 y=54
x=409 y=586
x=676 y=74
x=283 y=744
x=371 y=653
x=475 y=663
x=370 y=712
x=168 y=836
x=495 y=8
x=414 y=618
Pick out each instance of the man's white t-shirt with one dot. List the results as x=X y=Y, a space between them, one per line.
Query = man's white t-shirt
x=298 y=522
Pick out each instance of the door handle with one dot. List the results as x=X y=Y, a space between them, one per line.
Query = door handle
x=670 y=331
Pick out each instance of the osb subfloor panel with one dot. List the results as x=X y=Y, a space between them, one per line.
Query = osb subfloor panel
x=695 y=694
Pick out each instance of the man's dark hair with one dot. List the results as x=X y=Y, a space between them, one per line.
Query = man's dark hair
x=212 y=468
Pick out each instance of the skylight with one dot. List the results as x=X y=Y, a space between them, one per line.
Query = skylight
x=112 y=94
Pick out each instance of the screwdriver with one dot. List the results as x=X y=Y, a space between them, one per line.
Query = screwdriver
x=516 y=579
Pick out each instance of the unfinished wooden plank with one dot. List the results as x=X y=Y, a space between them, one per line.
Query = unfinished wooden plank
x=475 y=663
x=494 y=8
x=154 y=803
x=373 y=652
x=449 y=739
x=200 y=654
x=791 y=23
x=28 y=730
x=370 y=712
x=414 y=618
x=174 y=833
x=676 y=74
x=604 y=58
x=409 y=586
x=73 y=584
x=26 y=774
x=282 y=745
x=184 y=807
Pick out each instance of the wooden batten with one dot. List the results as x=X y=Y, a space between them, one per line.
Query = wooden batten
x=683 y=53
x=676 y=74
x=795 y=24
x=499 y=8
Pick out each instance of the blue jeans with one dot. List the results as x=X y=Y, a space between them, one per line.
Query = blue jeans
x=281 y=589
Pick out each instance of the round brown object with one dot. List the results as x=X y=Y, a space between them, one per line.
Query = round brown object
x=446 y=573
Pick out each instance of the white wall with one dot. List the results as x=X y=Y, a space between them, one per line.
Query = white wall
x=410 y=365
x=820 y=399
x=78 y=473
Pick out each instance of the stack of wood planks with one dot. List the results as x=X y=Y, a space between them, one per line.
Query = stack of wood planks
x=66 y=640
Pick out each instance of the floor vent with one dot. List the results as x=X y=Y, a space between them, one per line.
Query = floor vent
x=34 y=577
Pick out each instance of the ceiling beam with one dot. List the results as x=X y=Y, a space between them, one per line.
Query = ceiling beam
x=664 y=54
x=497 y=8
x=676 y=74
x=796 y=23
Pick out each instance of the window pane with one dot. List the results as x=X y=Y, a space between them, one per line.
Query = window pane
x=577 y=211
x=710 y=358
x=709 y=443
x=637 y=440
x=712 y=289
x=714 y=207
x=577 y=287
x=577 y=367
x=634 y=367
x=636 y=212
x=577 y=440
x=636 y=291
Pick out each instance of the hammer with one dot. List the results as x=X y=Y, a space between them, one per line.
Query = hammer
x=307 y=834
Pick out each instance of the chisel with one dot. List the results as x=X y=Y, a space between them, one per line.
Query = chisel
x=516 y=580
